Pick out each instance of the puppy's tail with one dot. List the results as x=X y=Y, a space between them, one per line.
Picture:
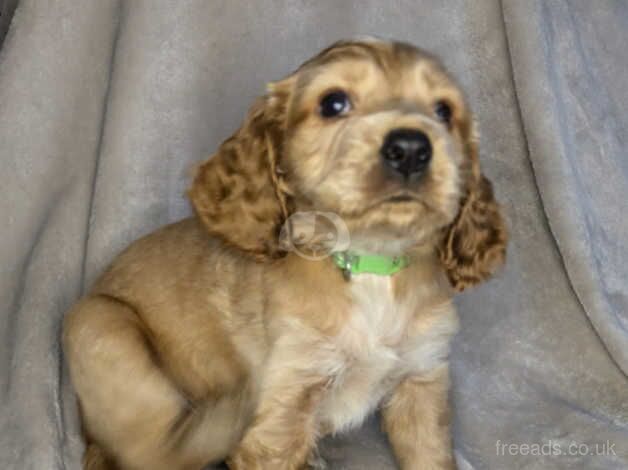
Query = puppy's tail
x=96 y=459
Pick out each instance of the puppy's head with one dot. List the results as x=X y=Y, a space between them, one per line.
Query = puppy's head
x=376 y=132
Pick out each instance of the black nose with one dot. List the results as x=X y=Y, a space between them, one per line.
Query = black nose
x=407 y=151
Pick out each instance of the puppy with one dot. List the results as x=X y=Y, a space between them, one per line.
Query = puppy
x=209 y=339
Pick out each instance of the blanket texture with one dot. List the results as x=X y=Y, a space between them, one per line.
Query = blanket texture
x=105 y=105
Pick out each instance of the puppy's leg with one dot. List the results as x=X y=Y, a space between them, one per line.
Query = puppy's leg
x=130 y=408
x=284 y=430
x=96 y=459
x=416 y=419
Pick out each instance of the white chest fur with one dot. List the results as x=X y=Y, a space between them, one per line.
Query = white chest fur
x=386 y=338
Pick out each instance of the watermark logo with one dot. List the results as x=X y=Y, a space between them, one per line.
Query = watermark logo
x=314 y=235
x=554 y=448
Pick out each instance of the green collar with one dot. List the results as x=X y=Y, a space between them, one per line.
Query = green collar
x=351 y=263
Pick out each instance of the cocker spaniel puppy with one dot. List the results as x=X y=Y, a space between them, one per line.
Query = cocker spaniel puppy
x=214 y=339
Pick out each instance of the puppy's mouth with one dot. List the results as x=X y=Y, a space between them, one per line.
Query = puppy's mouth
x=400 y=198
x=403 y=196
x=408 y=199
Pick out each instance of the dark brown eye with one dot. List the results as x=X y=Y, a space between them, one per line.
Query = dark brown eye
x=334 y=104
x=443 y=111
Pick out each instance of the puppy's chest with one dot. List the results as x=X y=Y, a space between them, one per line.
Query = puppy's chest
x=383 y=341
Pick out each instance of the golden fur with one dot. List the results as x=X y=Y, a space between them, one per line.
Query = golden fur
x=206 y=340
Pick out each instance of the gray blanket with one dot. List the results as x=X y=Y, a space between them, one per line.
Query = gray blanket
x=105 y=105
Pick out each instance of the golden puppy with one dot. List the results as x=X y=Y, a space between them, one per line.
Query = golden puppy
x=208 y=340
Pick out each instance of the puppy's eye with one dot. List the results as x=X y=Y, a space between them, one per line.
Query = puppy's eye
x=443 y=111
x=335 y=104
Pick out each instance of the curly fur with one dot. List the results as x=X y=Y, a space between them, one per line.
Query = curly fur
x=207 y=340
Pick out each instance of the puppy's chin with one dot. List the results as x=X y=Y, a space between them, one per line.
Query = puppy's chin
x=397 y=225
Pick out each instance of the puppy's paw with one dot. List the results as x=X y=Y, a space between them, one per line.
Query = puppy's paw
x=316 y=462
x=244 y=460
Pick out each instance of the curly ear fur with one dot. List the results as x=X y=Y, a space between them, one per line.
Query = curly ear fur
x=238 y=193
x=474 y=246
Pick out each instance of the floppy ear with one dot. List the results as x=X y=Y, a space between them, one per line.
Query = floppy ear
x=239 y=193
x=474 y=245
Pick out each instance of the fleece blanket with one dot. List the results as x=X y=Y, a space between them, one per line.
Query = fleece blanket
x=105 y=105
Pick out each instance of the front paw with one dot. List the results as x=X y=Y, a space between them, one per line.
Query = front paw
x=420 y=463
x=258 y=459
x=244 y=459
x=316 y=462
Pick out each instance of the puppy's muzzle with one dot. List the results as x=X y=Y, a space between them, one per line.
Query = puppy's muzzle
x=407 y=152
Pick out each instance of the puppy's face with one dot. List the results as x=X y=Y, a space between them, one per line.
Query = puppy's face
x=376 y=132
